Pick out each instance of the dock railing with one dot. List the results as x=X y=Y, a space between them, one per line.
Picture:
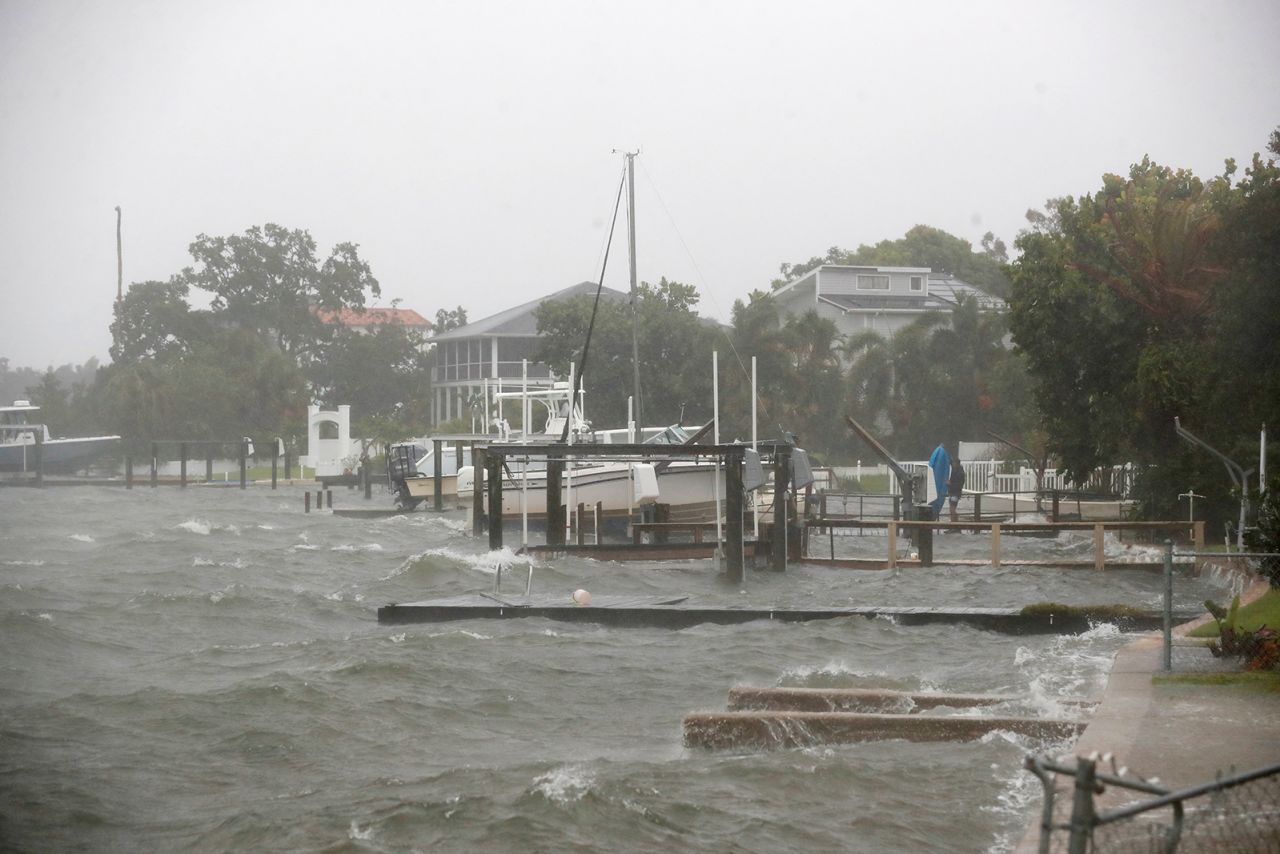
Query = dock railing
x=921 y=534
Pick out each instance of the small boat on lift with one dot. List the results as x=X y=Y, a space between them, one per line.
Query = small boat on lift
x=21 y=431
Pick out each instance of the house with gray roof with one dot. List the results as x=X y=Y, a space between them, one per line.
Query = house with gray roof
x=489 y=353
x=879 y=299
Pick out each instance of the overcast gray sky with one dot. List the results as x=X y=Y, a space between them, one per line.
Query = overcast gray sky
x=467 y=147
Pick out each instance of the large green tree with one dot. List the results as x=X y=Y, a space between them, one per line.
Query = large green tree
x=1154 y=298
x=674 y=346
x=271 y=280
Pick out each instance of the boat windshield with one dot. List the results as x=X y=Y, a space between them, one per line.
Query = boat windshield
x=673 y=435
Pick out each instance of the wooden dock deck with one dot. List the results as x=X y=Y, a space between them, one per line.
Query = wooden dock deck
x=675 y=612
x=799 y=717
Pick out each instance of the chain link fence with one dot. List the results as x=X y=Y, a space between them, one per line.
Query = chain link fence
x=1090 y=810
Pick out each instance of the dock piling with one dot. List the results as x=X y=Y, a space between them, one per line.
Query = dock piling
x=437 y=479
x=734 y=567
x=182 y=464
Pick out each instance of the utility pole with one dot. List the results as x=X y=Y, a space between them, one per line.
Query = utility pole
x=635 y=297
x=119 y=260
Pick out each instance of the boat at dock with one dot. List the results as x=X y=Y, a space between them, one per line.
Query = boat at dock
x=21 y=433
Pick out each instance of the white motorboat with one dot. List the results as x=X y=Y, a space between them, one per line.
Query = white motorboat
x=20 y=432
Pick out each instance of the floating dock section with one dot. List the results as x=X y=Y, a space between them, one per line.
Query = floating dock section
x=800 y=717
x=676 y=612
x=737 y=730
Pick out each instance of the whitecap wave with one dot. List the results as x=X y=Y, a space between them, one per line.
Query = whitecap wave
x=196 y=526
x=565 y=784
x=348 y=547
x=81 y=538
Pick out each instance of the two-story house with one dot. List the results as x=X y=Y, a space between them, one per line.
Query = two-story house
x=490 y=352
x=880 y=299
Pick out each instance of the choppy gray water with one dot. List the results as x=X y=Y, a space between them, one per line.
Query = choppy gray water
x=203 y=669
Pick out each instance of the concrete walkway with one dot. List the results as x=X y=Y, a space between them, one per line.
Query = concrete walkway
x=1183 y=734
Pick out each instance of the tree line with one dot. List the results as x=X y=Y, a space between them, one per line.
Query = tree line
x=1155 y=296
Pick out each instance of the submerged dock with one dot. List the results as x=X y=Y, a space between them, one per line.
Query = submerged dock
x=766 y=718
x=676 y=612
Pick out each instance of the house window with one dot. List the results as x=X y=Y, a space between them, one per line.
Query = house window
x=870 y=282
x=917 y=283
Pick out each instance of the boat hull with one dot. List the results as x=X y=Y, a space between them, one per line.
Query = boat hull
x=58 y=456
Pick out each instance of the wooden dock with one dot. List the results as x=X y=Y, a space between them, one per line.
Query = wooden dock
x=737 y=730
x=800 y=717
x=675 y=612
x=746 y=698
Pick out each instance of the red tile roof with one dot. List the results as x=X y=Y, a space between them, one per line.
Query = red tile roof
x=375 y=317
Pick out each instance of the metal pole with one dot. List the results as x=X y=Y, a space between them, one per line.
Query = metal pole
x=1167 y=659
x=119 y=258
x=635 y=297
x=715 y=418
x=755 y=446
x=1082 y=814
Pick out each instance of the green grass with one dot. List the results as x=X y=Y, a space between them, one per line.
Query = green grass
x=873 y=484
x=1265 y=610
x=1266 y=681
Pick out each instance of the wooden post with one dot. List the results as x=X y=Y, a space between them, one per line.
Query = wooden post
x=1057 y=503
x=182 y=465
x=306 y=501
x=367 y=468
x=457 y=450
x=555 y=510
x=328 y=498
x=599 y=518
x=244 y=461
x=288 y=464
x=735 y=567
x=275 y=466
x=155 y=463
x=477 y=491
x=924 y=545
x=493 y=464
x=128 y=472
x=831 y=535
x=1197 y=536
x=437 y=480
x=977 y=507
x=39 y=451
x=897 y=507
x=781 y=491
x=1099 y=546
x=995 y=545
x=893 y=545
x=579 y=529
x=208 y=464
x=662 y=516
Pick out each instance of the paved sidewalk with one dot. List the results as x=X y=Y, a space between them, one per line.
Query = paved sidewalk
x=1183 y=734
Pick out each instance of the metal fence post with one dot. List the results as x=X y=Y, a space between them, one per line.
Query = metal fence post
x=1167 y=660
x=1082 y=813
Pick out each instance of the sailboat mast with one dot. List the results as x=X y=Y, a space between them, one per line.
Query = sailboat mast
x=635 y=303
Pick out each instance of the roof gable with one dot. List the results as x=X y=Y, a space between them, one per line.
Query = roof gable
x=519 y=320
